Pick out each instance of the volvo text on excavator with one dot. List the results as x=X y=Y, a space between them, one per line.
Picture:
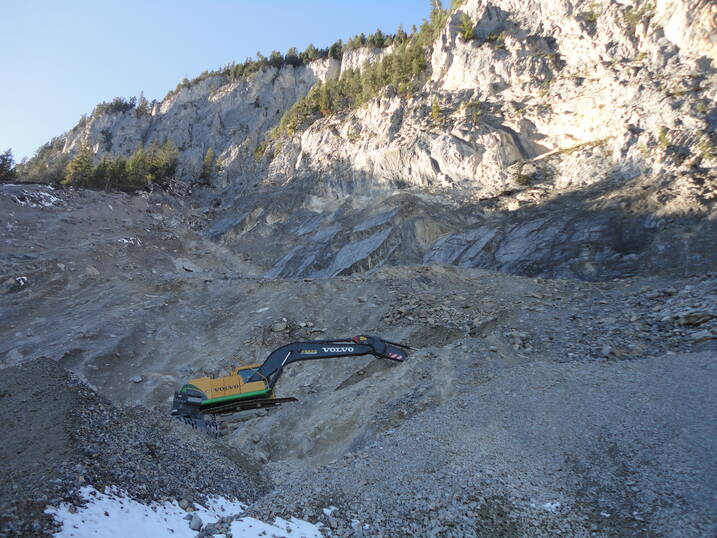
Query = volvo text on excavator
x=252 y=387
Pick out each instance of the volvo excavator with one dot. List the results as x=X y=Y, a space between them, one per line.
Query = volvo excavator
x=201 y=400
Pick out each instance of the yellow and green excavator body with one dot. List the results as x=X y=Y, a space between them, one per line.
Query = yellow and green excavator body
x=232 y=387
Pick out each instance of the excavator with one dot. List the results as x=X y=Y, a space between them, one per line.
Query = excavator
x=201 y=400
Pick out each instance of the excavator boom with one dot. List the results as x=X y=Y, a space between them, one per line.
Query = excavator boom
x=326 y=349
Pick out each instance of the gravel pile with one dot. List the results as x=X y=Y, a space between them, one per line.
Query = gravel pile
x=688 y=314
x=60 y=435
x=618 y=320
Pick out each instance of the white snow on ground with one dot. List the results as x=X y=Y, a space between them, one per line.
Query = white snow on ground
x=38 y=198
x=114 y=515
x=551 y=506
x=249 y=527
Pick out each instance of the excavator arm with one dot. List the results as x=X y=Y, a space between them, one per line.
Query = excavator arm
x=326 y=349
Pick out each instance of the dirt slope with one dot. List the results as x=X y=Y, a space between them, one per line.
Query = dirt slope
x=60 y=435
x=612 y=448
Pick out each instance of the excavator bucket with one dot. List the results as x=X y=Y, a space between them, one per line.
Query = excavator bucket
x=384 y=348
x=203 y=423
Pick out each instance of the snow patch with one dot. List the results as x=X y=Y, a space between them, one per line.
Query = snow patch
x=114 y=515
x=249 y=527
x=37 y=199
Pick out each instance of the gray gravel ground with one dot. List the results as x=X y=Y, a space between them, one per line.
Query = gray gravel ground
x=605 y=449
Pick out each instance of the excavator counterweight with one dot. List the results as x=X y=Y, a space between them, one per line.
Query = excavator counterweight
x=200 y=400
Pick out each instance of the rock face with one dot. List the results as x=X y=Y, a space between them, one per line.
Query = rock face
x=691 y=26
x=572 y=139
x=228 y=116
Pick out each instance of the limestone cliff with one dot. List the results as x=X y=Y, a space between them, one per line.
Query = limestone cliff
x=562 y=138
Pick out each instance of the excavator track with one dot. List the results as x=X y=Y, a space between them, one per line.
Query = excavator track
x=246 y=405
x=207 y=422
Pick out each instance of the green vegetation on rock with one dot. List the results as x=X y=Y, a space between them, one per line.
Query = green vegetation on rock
x=467 y=31
x=153 y=165
x=436 y=113
x=356 y=87
x=79 y=169
x=237 y=71
x=209 y=165
x=400 y=69
x=636 y=15
x=47 y=165
x=117 y=105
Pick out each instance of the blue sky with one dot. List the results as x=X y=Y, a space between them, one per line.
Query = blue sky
x=62 y=58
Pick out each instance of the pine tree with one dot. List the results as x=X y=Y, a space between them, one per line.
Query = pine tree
x=377 y=40
x=310 y=54
x=292 y=57
x=101 y=178
x=436 y=113
x=79 y=171
x=142 y=105
x=336 y=50
x=467 y=28
x=138 y=170
x=400 y=35
x=164 y=162
x=7 y=166
x=276 y=59
x=208 y=165
x=324 y=99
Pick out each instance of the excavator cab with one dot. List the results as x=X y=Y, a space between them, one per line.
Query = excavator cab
x=246 y=372
x=252 y=386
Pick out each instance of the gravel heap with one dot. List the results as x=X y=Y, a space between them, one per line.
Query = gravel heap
x=60 y=435
x=632 y=319
x=687 y=315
